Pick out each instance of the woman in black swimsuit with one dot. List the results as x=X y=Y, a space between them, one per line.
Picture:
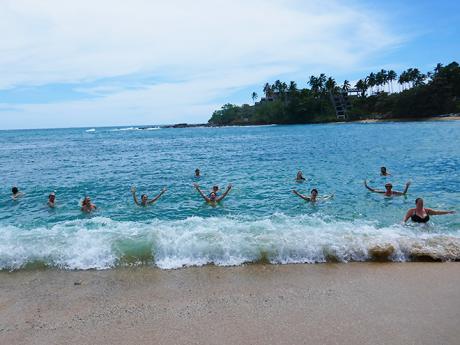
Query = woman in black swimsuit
x=419 y=214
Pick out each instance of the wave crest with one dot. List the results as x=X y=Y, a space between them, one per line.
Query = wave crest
x=101 y=243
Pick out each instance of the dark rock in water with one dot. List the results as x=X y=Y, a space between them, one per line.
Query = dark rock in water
x=77 y=282
x=186 y=125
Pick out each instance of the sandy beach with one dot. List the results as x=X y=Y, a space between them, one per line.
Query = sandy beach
x=359 y=303
x=434 y=118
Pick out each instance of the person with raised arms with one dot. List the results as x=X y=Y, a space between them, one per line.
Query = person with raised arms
x=388 y=189
x=213 y=198
x=419 y=214
x=144 y=198
x=313 y=196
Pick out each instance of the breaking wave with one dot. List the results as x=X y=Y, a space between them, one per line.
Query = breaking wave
x=101 y=243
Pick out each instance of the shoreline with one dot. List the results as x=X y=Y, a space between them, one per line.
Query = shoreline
x=455 y=117
x=354 y=303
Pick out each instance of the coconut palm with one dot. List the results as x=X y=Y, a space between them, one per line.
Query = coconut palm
x=362 y=87
x=371 y=82
x=330 y=84
x=267 y=90
x=254 y=96
x=346 y=85
x=391 y=77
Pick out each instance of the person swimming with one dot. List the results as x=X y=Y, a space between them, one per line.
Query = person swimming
x=144 y=198
x=197 y=173
x=299 y=177
x=16 y=193
x=388 y=189
x=313 y=196
x=51 y=200
x=87 y=206
x=419 y=214
x=384 y=172
x=213 y=197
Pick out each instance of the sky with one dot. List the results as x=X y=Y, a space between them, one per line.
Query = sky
x=93 y=63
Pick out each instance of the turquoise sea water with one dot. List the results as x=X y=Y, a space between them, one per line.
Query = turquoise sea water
x=259 y=220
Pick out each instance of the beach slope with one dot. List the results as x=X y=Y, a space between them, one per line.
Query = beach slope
x=358 y=303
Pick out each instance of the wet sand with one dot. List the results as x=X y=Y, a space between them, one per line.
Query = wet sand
x=357 y=303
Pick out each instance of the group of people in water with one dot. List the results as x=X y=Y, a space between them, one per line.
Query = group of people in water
x=418 y=214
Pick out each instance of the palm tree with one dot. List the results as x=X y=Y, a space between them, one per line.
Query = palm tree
x=371 y=82
x=292 y=87
x=346 y=85
x=330 y=84
x=254 y=96
x=322 y=82
x=267 y=90
x=362 y=87
x=403 y=79
x=391 y=77
x=314 y=84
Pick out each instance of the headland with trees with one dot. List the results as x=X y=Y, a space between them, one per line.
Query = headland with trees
x=381 y=95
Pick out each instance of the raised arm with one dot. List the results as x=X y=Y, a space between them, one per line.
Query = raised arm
x=225 y=193
x=300 y=195
x=133 y=192
x=158 y=196
x=372 y=189
x=432 y=212
x=201 y=193
x=404 y=192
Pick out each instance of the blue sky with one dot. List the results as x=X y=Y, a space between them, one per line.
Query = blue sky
x=115 y=63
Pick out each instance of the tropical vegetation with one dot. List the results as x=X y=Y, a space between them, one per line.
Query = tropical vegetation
x=383 y=94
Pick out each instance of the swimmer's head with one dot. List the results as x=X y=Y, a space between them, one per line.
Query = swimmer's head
x=197 y=172
x=212 y=196
x=144 y=198
x=15 y=190
x=388 y=186
x=215 y=189
x=383 y=170
x=419 y=202
x=314 y=192
x=52 y=197
x=86 y=201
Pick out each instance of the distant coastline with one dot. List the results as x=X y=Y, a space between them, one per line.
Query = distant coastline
x=380 y=96
x=443 y=117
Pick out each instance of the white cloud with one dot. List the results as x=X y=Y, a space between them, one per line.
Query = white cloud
x=201 y=48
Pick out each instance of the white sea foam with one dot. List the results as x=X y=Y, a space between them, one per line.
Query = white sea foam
x=135 y=129
x=91 y=130
x=102 y=243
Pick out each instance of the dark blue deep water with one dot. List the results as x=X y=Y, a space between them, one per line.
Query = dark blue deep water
x=259 y=220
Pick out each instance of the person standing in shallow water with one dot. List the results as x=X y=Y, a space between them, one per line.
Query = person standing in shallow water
x=384 y=172
x=144 y=198
x=388 y=189
x=87 y=206
x=313 y=196
x=419 y=214
x=213 y=198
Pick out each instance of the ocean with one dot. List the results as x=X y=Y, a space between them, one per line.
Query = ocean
x=261 y=220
